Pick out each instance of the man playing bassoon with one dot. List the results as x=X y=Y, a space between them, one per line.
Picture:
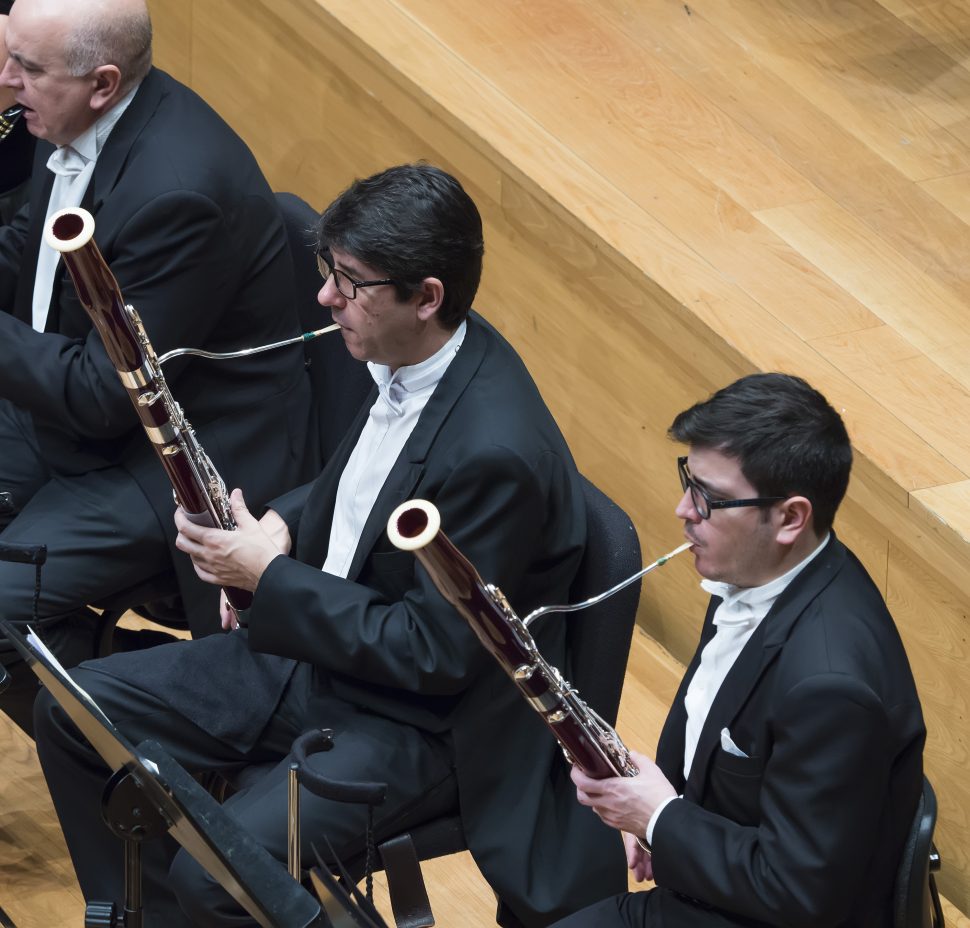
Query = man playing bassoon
x=347 y=632
x=790 y=765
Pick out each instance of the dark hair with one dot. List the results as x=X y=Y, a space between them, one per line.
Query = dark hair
x=411 y=222
x=784 y=434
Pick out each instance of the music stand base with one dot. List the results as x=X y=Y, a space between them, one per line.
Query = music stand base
x=100 y=915
x=131 y=816
x=106 y=915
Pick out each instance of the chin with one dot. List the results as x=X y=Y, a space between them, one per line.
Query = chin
x=709 y=571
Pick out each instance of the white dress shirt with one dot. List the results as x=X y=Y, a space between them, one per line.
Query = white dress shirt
x=400 y=401
x=737 y=616
x=72 y=165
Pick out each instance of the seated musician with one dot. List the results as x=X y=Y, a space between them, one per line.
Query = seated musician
x=790 y=765
x=191 y=231
x=347 y=632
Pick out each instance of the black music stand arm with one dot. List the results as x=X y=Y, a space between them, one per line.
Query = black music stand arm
x=231 y=856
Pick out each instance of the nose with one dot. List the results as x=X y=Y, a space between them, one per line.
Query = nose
x=686 y=509
x=8 y=76
x=329 y=295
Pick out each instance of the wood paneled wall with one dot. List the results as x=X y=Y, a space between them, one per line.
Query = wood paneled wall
x=643 y=250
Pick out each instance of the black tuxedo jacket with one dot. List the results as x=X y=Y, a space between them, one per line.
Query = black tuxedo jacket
x=808 y=828
x=488 y=454
x=190 y=229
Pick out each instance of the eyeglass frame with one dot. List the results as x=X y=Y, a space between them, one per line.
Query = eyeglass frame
x=327 y=269
x=687 y=482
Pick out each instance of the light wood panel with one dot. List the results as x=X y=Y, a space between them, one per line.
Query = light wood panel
x=675 y=195
x=37 y=884
x=172 y=38
x=923 y=312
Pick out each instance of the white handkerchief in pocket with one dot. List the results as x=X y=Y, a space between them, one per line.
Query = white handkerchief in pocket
x=729 y=746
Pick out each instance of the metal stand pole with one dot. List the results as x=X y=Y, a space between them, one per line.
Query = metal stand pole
x=132 y=819
x=293 y=823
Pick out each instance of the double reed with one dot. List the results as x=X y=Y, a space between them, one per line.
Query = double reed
x=198 y=488
x=586 y=739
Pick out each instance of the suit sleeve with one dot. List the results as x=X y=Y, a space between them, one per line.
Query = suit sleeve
x=173 y=263
x=13 y=237
x=398 y=631
x=289 y=507
x=822 y=790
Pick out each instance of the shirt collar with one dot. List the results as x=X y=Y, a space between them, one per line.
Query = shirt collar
x=90 y=142
x=415 y=378
x=741 y=605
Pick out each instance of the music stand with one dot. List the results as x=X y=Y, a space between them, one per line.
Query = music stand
x=158 y=795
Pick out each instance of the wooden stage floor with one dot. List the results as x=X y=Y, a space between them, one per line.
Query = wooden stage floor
x=676 y=194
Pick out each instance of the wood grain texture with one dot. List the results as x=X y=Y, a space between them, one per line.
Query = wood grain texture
x=172 y=36
x=676 y=195
x=37 y=884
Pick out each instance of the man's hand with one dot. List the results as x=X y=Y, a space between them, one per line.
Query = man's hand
x=235 y=559
x=626 y=803
x=637 y=859
x=279 y=532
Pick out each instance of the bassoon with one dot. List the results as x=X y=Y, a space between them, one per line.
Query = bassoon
x=197 y=486
x=586 y=739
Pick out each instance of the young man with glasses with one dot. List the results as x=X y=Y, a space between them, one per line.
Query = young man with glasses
x=790 y=765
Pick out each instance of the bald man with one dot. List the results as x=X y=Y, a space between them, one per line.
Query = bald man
x=190 y=229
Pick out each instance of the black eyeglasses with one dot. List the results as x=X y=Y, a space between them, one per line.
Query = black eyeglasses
x=702 y=499
x=345 y=282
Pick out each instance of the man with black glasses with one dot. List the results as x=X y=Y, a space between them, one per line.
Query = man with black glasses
x=349 y=632
x=790 y=765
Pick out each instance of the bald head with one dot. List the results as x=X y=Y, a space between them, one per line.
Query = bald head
x=93 y=33
x=71 y=61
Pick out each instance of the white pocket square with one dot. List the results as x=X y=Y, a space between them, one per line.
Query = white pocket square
x=729 y=746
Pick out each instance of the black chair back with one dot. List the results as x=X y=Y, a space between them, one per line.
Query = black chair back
x=916 y=902
x=339 y=381
x=598 y=638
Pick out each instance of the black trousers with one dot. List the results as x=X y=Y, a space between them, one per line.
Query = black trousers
x=102 y=537
x=627 y=910
x=417 y=767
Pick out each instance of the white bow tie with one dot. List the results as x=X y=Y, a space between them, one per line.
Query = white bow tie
x=735 y=609
x=67 y=162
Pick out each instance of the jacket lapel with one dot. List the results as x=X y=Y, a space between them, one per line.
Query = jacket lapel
x=670 y=747
x=409 y=467
x=111 y=160
x=318 y=512
x=110 y=163
x=761 y=649
x=42 y=180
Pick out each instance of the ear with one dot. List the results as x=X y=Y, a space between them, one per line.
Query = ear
x=430 y=297
x=795 y=519
x=106 y=80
